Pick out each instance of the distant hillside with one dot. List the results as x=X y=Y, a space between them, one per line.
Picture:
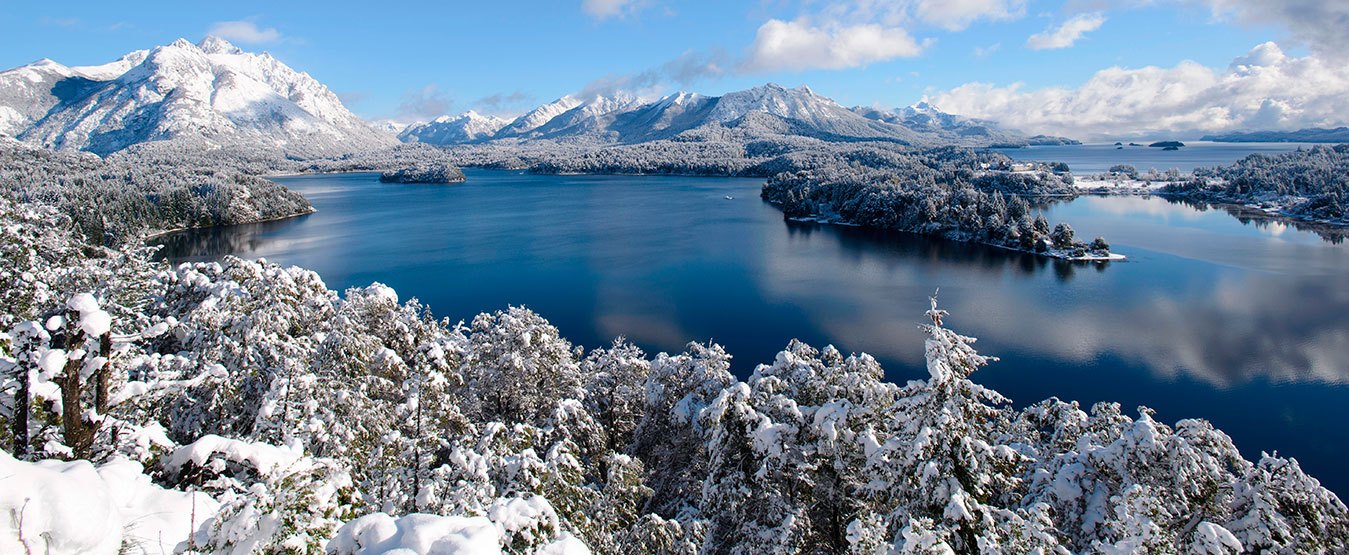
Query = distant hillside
x=1310 y=135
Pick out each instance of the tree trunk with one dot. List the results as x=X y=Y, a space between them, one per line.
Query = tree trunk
x=103 y=376
x=79 y=434
x=19 y=420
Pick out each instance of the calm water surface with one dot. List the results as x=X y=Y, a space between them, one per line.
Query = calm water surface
x=1097 y=158
x=1245 y=325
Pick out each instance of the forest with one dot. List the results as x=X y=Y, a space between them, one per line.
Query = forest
x=165 y=186
x=240 y=406
x=1308 y=184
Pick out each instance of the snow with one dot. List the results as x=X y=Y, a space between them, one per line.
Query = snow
x=1210 y=538
x=566 y=544
x=93 y=320
x=261 y=456
x=419 y=534
x=1117 y=185
x=57 y=507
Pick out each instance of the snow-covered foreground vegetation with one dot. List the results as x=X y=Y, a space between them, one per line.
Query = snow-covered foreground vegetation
x=240 y=407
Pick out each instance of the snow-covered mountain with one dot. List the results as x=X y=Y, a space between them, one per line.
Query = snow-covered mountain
x=539 y=116
x=592 y=117
x=210 y=93
x=761 y=111
x=926 y=118
x=467 y=127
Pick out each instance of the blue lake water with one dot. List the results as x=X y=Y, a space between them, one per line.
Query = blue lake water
x=1097 y=158
x=1245 y=325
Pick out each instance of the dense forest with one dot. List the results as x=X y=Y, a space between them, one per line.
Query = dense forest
x=1309 y=184
x=244 y=407
x=156 y=187
x=952 y=193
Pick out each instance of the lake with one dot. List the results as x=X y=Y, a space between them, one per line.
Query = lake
x=1097 y=158
x=1246 y=325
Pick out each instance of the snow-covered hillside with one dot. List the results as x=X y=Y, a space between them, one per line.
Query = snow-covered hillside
x=210 y=93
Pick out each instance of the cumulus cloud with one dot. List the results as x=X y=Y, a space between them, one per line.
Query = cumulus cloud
x=799 y=44
x=1264 y=89
x=245 y=32
x=956 y=15
x=426 y=103
x=1067 y=34
x=605 y=9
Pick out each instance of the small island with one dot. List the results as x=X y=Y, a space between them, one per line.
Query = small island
x=1167 y=145
x=434 y=173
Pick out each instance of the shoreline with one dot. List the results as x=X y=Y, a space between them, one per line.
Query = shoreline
x=1052 y=254
x=163 y=232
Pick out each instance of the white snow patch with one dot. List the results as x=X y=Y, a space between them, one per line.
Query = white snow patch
x=420 y=534
x=57 y=507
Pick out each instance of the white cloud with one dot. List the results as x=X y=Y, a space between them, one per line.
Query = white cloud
x=956 y=15
x=1264 y=89
x=799 y=44
x=605 y=9
x=245 y=32
x=1067 y=34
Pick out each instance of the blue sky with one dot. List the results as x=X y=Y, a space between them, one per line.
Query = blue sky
x=412 y=59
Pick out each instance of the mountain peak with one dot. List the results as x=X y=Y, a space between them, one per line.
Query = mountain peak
x=45 y=62
x=182 y=43
x=216 y=45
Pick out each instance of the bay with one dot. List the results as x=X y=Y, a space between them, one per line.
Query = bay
x=1243 y=324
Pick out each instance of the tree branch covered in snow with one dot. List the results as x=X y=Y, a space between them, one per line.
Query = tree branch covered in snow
x=252 y=409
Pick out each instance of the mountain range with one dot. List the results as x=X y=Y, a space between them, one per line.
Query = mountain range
x=212 y=94
x=766 y=109
x=1309 y=135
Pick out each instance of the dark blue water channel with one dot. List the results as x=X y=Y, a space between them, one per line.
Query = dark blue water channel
x=1246 y=325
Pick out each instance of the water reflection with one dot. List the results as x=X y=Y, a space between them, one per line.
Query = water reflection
x=1213 y=324
x=1274 y=226
x=211 y=243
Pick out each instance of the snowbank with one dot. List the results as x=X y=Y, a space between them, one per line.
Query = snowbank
x=421 y=534
x=57 y=507
x=264 y=457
